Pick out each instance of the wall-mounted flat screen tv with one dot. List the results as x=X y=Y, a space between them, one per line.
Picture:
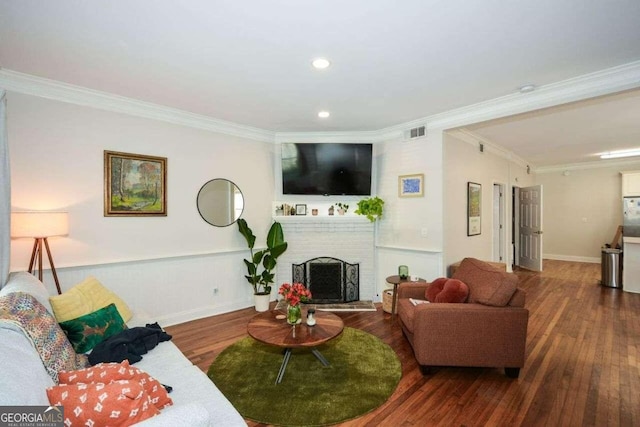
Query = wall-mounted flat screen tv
x=327 y=169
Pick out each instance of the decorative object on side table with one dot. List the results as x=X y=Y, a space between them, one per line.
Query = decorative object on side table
x=403 y=272
x=267 y=258
x=371 y=208
x=294 y=295
x=311 y=318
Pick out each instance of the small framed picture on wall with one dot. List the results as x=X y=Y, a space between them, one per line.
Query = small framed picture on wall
x=474 y=208
x=411 y=185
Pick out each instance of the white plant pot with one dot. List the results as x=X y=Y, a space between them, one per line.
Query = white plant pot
x=261 y=302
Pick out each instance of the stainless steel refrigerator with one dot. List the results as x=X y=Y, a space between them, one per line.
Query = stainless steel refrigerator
x=631 y=212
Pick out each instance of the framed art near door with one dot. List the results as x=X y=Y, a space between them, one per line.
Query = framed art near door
x=474 y=208
x=411 y=185
x=134 y=185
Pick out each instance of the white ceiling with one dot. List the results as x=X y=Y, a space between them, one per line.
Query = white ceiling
x=248 y=62
x=571 y=133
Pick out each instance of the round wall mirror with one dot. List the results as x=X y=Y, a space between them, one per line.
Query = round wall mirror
x=220 y=202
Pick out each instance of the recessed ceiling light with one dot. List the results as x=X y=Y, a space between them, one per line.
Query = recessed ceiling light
x=527 y=88
x=320 y=63
x=619 y=154
x=323 y=114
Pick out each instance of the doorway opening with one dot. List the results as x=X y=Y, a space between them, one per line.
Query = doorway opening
x=498 y=223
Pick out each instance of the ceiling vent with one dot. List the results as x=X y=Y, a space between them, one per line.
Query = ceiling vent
x=417 y=132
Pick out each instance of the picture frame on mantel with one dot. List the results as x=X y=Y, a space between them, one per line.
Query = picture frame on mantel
x=134 y=184
x=411 y=185
x=301 y=209
x=474 y=209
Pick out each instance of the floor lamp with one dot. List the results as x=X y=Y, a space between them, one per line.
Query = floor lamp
x=40 y=226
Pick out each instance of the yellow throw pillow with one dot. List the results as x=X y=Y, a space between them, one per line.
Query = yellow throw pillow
x=84 y=298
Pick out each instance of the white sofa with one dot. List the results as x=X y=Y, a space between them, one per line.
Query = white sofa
x=24 y=380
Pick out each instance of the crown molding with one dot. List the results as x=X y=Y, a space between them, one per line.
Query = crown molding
x=588 y=165
x=354 y=137
x=59 y=91
x=604 y=82
x=599 y=83
x=471 y=138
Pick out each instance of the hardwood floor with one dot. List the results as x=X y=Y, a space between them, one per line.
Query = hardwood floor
x=582 y=366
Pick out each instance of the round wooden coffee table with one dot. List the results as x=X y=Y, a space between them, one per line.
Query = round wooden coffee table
x=266 y=328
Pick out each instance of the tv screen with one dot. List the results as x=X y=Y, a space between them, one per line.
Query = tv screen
x=327 y=169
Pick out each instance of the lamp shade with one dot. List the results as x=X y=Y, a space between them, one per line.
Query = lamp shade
x=39 y=224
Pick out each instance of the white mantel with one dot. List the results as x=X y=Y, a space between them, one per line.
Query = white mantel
x=350 y=238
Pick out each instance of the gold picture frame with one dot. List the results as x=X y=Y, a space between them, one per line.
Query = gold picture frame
x=411 y=185
x=134 y=184
x=474 y=208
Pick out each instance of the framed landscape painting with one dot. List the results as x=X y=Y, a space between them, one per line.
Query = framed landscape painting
x=134 y=185
x=474 y=206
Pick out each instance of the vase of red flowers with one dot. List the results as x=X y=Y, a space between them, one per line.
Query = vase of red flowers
x=294 y=295
x=294 y=314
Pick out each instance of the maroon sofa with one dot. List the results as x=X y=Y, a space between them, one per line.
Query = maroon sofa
x=488 y=330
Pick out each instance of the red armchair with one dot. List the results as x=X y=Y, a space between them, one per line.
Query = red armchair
x=489 y=330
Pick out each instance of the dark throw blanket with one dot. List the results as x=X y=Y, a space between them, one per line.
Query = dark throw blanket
x=129 y=344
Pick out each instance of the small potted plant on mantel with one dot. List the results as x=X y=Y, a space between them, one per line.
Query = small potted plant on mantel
x=343 y=208
x=261 y=280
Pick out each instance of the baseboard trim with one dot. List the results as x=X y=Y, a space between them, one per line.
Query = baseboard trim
x=200 y=313
x=593 y=260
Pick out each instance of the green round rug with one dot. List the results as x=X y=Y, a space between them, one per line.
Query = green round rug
x=363 y=373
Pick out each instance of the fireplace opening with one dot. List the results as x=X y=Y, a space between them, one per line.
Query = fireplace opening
x=330 y=280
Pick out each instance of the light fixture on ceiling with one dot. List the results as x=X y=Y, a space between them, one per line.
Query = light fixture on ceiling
x=527 y=88
x=324 y=114
x=320 y=63
x=621 y=153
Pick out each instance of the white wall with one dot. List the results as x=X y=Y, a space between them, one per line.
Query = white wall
x=410 y=231
x=465 y=163
x=164 y=265
x=582 y=210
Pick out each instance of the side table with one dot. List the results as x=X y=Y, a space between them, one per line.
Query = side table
x=395 y=281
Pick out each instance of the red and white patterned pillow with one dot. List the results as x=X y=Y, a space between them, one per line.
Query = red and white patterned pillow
x=119 y=403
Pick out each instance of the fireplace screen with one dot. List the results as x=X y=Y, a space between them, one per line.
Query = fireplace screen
x=330 y=280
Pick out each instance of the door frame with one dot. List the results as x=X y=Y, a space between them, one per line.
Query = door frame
x=499 y=228
x=515 y=225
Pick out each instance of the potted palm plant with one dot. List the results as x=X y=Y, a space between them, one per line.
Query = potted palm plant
x=262 y=262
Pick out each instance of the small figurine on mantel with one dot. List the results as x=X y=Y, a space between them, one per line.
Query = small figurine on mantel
x=331 y=210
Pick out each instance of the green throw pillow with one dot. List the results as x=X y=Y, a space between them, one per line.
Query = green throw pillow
x=89 y=330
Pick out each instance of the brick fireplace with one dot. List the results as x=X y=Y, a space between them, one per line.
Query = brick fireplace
x=348 y=238
x=330 y=280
